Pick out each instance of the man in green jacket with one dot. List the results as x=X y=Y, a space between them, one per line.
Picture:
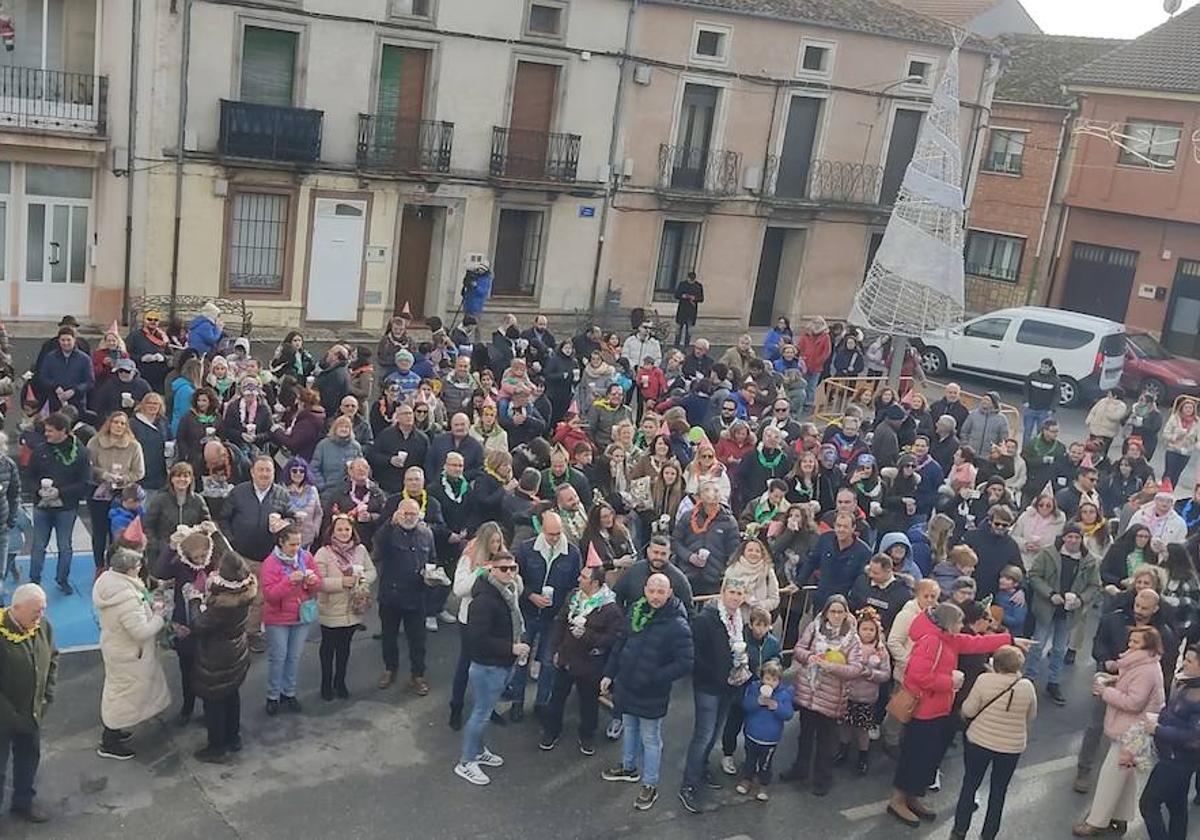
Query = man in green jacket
x=28 y=665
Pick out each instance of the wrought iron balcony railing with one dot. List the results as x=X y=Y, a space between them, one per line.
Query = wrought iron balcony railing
x=389 y=144
x=270 y=132
x=530 y=155
x=53 y=100
x=711 y=171
x=828 y=181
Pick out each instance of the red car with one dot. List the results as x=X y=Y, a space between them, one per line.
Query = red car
x=1151 y=367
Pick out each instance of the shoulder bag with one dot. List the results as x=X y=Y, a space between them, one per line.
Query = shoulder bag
x=903 y=704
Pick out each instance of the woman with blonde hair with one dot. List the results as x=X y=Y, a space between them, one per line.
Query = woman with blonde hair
x=476 y=556
x=116 y=458
x=487 y=430
x=337 y=449
x=150 y=427
x=1038 y=527
x=704 y=468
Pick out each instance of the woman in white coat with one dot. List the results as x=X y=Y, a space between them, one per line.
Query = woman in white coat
x=135 y=687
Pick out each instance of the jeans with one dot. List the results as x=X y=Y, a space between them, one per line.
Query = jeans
x=1173 y=465
x=62 y=522
x=414 y=633
x=458 y=691
x=26 y=751
x=4 y=561
x=335 y=655
x=223 y=718
x=813 y=378
x=538 y=637
x=642 y=736
x=1167 y=785
x=285 y=643
x=1031 y=422
x=976 y=760
x=759 y=758
x=1057 y=631
x=487 y=683
x=710 y=715
x=588 y=691
x=98 y=513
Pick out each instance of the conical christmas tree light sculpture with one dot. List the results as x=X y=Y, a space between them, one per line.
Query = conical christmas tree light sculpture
x=915 y=283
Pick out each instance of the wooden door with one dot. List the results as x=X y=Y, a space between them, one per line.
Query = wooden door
x=412 y=263
x=403 y=72
x=534 y=92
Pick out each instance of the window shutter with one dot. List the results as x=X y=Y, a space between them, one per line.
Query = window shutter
x=268 y=66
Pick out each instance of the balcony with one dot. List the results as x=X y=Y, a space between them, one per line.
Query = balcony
x=270 y=132
x=828 y=182
x=529 y=155
x=53 y=100
x=700 y=170
x=389 y=144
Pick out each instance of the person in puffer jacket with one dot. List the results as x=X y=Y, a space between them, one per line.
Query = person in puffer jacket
x=829 y=656
x=863 y=690
x=767 y=703
x=1177 y=739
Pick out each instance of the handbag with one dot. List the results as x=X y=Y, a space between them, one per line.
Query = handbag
x=903 y=704
x=309 y=610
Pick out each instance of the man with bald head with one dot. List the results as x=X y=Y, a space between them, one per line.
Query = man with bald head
x=405 y=559
x=654 y=650
x=456 y=439
x=1143 y=608
x=549 y=565
x=28 y=665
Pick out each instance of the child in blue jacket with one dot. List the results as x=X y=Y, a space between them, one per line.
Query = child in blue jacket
x=768 y=704
x=761 y=647
x=1011 y=578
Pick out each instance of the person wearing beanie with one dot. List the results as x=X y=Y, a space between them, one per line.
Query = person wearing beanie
x=362 y=376
x=985 y=426
x=404 y=375
x=1063 y=579
x=206 y=330
x=885 y=444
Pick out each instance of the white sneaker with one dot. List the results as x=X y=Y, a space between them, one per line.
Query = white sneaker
x=729 y=765
x=489 y=759
x=470 y=771
x=937 y=781
x=448 y=617
x=431 y=624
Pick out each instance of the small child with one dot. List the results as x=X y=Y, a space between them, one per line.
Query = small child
x=761 y=647
x=1011 y=578
x=864 y=690
x=129 y=507
x=767 y=705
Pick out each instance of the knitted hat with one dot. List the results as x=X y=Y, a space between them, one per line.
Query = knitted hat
x=404 y=356
x=210 y=310
x=894 y=413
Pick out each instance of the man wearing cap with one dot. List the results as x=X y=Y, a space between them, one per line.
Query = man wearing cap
x=1041 y=397
x=886 y=443
x=149 y=348
x=66 y=374
x=404 y=375
x=121 y=392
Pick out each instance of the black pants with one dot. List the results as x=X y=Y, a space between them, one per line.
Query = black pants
x=683 y=334
x=1168 y=785
x=458 y=691
x=414 y=631
x=817 y=746
x=98 y=512
x=223 y=717
x=922 y=748
x=733 y=728
x=976 y=760
x=587 y=689
x=759 y=758
x=26 y=751
x=186 y=650
x=335 y=655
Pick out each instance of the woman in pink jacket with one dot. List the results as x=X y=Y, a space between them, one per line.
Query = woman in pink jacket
x=1135 y=692
x=290 y=579
x=932 y=675
x=829 y=656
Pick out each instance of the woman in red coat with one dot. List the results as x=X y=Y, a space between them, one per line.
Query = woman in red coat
x=932 y=675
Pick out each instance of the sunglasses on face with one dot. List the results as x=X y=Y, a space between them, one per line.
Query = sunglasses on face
x=781 y=410
x=505 y=568
x=296 y=470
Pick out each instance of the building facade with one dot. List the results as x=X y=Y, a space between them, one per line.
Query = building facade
x=764 y=153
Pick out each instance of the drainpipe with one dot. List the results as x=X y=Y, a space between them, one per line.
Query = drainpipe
x=185 y=61
x=615 y=174
x=130 y=156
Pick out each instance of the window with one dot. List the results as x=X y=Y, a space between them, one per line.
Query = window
x=259 y=246
x=991 y=329
x=919 y=71
x=1006 y=151
x=816 y=59
x=1054 y=336
x=518 y=252
x=269 y=66
x=1150 y=144
x=68 y=43
x=710 y=43
x=545 y=19
x=994 y=256
x=57 y=208
x=422 y=9
x=677 y=254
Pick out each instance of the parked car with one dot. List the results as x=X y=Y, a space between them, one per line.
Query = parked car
x=1008 y=344
x=1151 y=367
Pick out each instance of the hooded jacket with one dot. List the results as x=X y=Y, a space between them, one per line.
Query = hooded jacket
x=984 y=427
x=763 y=725
x=222 y=654
x=1177 y=735
x=135 y=687
x=643 y=665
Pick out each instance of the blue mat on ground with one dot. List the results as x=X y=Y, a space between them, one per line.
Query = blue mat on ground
x=71 y=615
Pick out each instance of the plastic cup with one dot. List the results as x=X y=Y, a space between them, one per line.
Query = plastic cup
x=169 y=449
x=704 y=552
x=738 y=647
x=126 y=397
x=430 y=568
x=548 y=592
x=47 y=484
x=210 y=431
x=766 y=690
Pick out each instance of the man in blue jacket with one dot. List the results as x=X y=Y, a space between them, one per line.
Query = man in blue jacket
x=549 y=567
x=654 y=650
x=840 y=557
x=66 y=375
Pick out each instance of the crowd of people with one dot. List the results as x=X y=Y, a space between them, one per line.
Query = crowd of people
x=606 y=516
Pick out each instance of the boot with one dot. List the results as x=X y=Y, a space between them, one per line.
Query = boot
x=862 y=768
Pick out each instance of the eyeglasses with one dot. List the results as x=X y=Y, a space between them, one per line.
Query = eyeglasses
x=421 y=411
x=300 y=470
x=505 y=568
x=781 y=409
x=151 y=320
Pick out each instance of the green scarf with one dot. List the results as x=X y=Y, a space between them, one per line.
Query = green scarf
x=1040 y=448
x=640 y=615
x=773 y=463
x=73 y=453
x=763 y=511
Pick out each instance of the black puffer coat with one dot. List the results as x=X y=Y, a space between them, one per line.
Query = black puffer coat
x=222 y=652
x=643 y=665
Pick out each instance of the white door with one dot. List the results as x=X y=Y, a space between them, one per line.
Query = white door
x=978 y=347
x=56 y=257
x=335 y=271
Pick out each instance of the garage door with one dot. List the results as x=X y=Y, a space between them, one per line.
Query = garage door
x=1099 y=280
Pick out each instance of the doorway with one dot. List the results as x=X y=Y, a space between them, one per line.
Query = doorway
x=762 y=306
x=335 y=267
x=1099 y=281
x=1181 y=330
x=906 y=125
x=535 y=90
x=417 y=227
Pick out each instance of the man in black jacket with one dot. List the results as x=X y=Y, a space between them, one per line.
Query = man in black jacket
x=951 y=404
x=1041 y=397
x=658 y=561
x=253 y=510
x=59 y=473
x=405 y=556
x=690 y=294
x=333 y=378
x=879 y=587
x=399 y=446
x=1112 y=638
x=716 y=662
x=995 y=549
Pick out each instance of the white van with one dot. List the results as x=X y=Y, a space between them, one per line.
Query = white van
x=1009 y=344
